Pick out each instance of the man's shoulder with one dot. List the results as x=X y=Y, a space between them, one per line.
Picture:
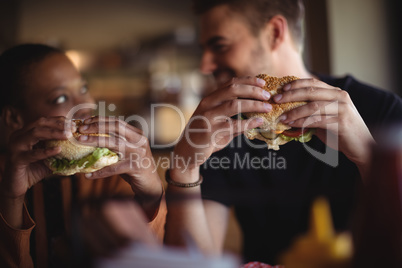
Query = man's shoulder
x=375 y=105
x=355 y=87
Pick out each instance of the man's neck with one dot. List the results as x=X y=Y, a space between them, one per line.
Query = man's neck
x=290 y=62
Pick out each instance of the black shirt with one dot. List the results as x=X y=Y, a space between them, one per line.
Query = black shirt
x=272 y=191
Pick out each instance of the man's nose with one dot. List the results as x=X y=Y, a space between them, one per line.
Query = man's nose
x=208 y=64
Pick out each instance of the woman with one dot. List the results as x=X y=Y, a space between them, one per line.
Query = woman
x=39 y=86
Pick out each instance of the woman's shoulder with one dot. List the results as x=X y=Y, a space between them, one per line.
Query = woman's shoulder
x=2 y=164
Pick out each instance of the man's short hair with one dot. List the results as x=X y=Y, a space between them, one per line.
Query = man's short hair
x=259 y=12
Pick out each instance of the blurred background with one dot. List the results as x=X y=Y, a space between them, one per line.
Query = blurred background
x=138 y=54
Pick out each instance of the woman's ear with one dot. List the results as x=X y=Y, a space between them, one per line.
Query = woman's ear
x=12 y=118
x=276 y=30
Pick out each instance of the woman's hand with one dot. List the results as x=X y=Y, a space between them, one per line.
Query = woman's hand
x=332 y=112
x=136 y=164
x=24 y=166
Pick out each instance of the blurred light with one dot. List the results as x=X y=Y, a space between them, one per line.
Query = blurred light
x=173 y=85
x=74 y=57
x=168 y=125
x=158 y=81
x=81 y=60
x=197 y=82
x=185 y=35
x=159 y=65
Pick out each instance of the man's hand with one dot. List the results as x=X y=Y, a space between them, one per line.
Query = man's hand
x=332 y=112
x=211 y=127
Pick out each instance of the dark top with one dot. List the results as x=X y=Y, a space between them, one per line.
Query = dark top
x=272 y=191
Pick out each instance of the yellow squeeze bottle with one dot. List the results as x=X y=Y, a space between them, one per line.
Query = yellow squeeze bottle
x=321 y=246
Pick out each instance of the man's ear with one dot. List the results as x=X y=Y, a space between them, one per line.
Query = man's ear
x=12 y=118
x=276 y=29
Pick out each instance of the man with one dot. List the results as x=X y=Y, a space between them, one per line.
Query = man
x=241 y=39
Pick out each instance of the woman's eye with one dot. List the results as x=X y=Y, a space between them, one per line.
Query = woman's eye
x=84 y=90
x=60 y=99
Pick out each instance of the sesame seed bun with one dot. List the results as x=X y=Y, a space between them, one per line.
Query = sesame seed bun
x=271 y=123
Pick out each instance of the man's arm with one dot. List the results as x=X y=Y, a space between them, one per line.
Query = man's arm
x=210 y=129
x=205 y=222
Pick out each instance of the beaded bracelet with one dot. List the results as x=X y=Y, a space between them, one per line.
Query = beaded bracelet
x=179 y=184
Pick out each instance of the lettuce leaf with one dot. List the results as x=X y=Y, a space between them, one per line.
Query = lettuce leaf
x=305 y=137
x=87 y=161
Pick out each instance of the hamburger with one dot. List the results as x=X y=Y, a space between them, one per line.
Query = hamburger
x=78 y=158
x=272 y=131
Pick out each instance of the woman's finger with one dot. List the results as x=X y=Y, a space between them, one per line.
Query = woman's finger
x=59 y=123
x=115 y=144
x=113 y=127
x=38 y=154
x=23 y=141
x=130 y=164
